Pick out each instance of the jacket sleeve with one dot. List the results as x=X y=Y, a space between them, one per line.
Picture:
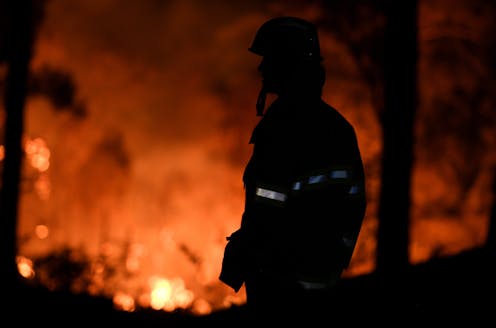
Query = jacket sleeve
x=330 y=196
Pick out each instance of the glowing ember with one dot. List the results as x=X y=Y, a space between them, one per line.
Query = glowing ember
x=25 y=267
x=41 y=231
x=124 y=302
x=38 y=154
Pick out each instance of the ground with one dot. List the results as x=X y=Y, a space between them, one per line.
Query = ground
x=448 y=290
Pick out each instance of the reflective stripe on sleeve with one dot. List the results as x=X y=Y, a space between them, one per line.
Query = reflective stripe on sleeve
x=332 y=176
x=316 y=179
x=271 y=194
x=297 y=185
x=339 y=174
x=355 y=189
x=315 y=285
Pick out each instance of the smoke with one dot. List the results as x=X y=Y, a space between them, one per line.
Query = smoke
x=147 y=108
x=59 y=87
x=135 y=102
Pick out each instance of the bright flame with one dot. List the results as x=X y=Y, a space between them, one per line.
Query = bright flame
x=169 y=294
x=25 y=267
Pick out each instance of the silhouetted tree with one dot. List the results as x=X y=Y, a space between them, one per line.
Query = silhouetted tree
x=385 y=51
x=491 y=235
x=400 y=103
x=20 y=19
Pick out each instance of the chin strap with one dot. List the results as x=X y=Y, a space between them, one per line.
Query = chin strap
x=262 y=96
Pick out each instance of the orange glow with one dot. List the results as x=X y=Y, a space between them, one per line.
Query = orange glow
x=41 y=231
x=147 y=183
x=201 y=307
x=38 y=154
x=124 y=302
x=42 y=186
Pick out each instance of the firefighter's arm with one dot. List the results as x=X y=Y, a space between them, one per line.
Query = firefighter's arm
x=336 y=193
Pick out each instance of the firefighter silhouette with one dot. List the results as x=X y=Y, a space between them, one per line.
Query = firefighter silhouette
x=304 y=184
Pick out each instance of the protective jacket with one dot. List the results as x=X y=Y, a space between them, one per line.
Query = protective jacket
x=305 y=195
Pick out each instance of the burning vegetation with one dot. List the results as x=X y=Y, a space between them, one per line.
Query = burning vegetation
x=137 y=125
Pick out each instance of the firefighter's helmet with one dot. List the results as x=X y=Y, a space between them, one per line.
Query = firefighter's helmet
x=287 y=37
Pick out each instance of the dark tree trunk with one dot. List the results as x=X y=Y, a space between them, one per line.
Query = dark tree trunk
x=491 y=234
x=400 y=103
x=17 y=47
